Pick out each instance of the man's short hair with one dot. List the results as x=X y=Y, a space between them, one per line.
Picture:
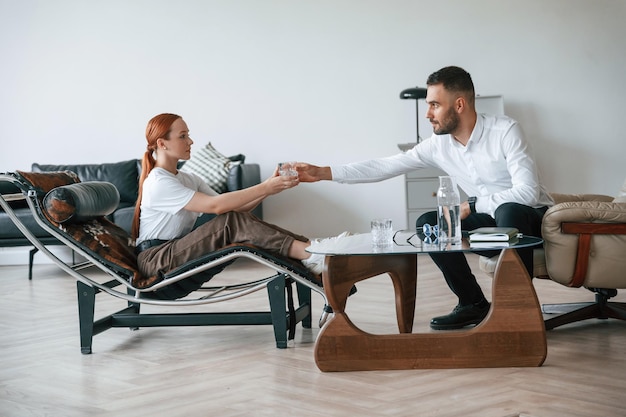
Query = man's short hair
x=454 y=79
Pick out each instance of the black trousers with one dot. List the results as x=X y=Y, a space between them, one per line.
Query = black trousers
x=454 y=266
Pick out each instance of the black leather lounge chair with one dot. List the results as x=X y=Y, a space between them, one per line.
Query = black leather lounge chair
x=73 y=213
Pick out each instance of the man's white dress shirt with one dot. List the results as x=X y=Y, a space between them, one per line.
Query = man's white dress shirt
x=496 y=166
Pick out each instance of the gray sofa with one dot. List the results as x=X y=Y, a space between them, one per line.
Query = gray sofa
x=125 y=176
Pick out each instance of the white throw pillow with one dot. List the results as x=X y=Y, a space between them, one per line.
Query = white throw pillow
x=211 y=166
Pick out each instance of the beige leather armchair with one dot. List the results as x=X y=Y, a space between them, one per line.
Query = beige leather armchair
x=584 y=246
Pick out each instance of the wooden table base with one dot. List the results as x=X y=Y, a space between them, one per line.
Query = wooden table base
x=512 y=334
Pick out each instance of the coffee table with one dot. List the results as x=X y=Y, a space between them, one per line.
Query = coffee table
x=512 y=334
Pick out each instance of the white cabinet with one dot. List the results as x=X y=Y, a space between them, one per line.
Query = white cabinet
x=421 y=193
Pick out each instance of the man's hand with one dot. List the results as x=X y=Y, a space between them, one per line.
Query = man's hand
x=313 y=173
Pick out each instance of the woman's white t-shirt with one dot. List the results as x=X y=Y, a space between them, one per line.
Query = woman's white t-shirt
x=162 y=204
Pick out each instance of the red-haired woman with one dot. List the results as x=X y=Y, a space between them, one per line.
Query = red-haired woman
x=171 y=200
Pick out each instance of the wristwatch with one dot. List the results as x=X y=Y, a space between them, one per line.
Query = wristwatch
x=472 y=204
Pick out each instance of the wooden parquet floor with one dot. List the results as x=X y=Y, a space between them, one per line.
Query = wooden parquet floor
x=237 y=371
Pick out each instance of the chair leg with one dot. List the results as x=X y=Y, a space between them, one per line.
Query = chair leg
x=615 y=310
x=304 y=297
x=589 y=312
x=31 y=257
x=86 y=310
x=602 y=308
x=278 y=308
x=134 y=307
x=31 y=260
x=563 y=308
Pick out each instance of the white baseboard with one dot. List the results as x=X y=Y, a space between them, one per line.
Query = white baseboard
x=19 y=255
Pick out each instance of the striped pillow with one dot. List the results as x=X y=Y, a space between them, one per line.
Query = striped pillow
x=211 y=166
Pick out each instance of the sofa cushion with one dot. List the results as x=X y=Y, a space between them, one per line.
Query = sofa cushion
x=124 y=175
x=123 y=217
x=81 y=202
x=210 y=165
x=8 y=229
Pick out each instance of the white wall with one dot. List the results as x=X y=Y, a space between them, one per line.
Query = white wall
x=317 y=81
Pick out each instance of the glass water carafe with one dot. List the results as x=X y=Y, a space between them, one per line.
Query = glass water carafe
x=448 y=211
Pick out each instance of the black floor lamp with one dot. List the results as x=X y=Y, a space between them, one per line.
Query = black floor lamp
x=415 y=93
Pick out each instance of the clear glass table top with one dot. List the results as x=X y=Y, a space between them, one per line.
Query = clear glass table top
x=407 y=242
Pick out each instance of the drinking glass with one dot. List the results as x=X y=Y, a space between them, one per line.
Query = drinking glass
x=287 y=168
x=382 y=232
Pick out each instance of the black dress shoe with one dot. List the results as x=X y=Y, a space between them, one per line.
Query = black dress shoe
x=461 y=316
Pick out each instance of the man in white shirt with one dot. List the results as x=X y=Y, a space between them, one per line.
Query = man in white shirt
x=491 y=162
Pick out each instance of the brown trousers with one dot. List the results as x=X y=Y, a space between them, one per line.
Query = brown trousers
x=223 y=230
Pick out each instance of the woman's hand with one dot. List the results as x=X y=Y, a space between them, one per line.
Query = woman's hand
x=277 y=183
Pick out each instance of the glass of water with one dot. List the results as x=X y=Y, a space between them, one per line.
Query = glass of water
x=287 y=169
x=382 y=232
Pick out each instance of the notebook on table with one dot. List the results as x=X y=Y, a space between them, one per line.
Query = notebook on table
x=493 y=234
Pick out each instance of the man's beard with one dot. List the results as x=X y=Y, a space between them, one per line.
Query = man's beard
x=448 y=125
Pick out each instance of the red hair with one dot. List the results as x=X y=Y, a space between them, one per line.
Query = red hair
x=158 y=127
